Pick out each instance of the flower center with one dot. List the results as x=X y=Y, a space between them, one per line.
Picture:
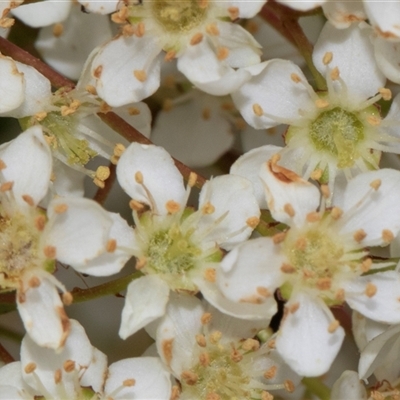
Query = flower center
x=19 y=248
x=338 y=132
x=179 y=15
x=172 y=254
x=219 y=373
x=60 y=135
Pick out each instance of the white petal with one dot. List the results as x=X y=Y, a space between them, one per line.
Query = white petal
x=160 y=177
x=385 y=19
x=379 y=351
x=193 y=139
x=248 y=311
x=80 y=233
x=43 y=13
x=42 y=313
x=77 y=348
x=67 y=53
x=201 y=66
x=12 y=85
x=249 y=164
x=369 y=209
x=151 y=379
x=248 y=8
x=176 y=333
x=353 y=55
x=384 y=305
x=231 y=195
x=114 y=67
x=10 y=392
x=348 y=386
x=387 y=55
x=28 y=164
x=302 y=5
x=139 y=119
x=68 y=182
x=110 y=263
x=290 y=198
x=304 y=340
x=279 y=97
x=100 y=7
x=343 y=13
x=251 y=272
x=94 y=375
x=145 y=301
x=11 y=375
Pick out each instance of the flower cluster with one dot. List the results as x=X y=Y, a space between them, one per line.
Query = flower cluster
x=275 y=276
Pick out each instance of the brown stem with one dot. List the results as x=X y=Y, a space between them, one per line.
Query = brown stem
x=5 y=356
x=111 y=119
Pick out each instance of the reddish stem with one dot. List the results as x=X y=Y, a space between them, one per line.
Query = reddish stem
x=5 y=356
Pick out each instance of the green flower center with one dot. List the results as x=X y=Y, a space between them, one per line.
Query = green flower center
x=338 y=132
x=179 y=15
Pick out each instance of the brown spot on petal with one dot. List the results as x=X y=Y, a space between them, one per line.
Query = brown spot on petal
x=97 y=72
x=270 y=372
x=387 y=236
x=359 y=235
x=30 y=367
x=263 y=291
x=28 y=200
x=370 y=289
x=50 y=252
x=210 y=275
x=129 y=382
x=140 y=75
x=206 y=318
x=289 y=210
x=61 y=208
x=66 y=325
x=69 y=365
x=111 y=246
x=196 y=38
x=166 y=348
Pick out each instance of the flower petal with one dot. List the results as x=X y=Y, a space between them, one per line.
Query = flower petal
x=344 y=13
x=162 y=182
x=306 y=340
x=348 y=386
x=145 y=301
x=97 y=371
x=387 y=55
x=152 y=381
x=100 y=7
x=28 y=164
x=232 y=196
x=12 y=85
x=249 y=164
x=78 y=229
x=290 y=198
x=114 y=68
x=376 y=296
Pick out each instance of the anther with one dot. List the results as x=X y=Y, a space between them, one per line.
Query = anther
x=270 y=372
x=206 y=318
x=287 y=268
x=111 y=246
x=57 y=376
x=50 y=252
x=222 y=53
x=301 y=243
x=251 y=344
x=34 y=282
x=139 y=177
x=326 y=193
x=67 y=298
x=257 y=109
x=201 y=340
x=208 y=208
x=192 y=179
x=140 y=263
x=236 y=356
x=170 y=55
x=133 y=111
x=140 y=75
x=316 y=174
x=295 y=78
x=370 y=289
x=336 y=212
x=233 y=13
x=6 y=186
x=289 y=386
x=313 y=217
x=366 y=265
x=252 y=222
x=213 y=396
x=215 y=337
x=263 y=291
x=140 y=29
x=324 y=283
x=102 y=173
x=196 y=38
x=327 y=58
x=203 y=4
x=172 y=206
x=40 y=116
x=266 y=396
x=335 y=74
x=60 y=208
x=294 y=307
x=333 y=326
x=387 y=236
x=376 y=184
x=119 y=149
x=385 y=93
x=175 y=393
x=58 y=29
x=212 y=29
x=136 y=205
x=129 y=382
x=189 y=377
x=210 y=275
x=321 y=103
x=204 y=359
x=69 y=365
x=359 y=235
x=289 y=210
x=28 y=200
x=91 y=90
x=98 y=71
x=374 y=120
x=40 y=222
x=279 y=237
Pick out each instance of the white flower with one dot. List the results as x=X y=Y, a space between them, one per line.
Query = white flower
x=80 y=371
x=348 y=386
x=178 y=248
x=75 y=231
x=69 y=122
x=214 y=356
x=318 y=262
x=335 y=132
x=211 y=51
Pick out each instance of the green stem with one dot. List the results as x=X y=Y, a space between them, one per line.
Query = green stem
x=106 y=289
x=317 y=387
